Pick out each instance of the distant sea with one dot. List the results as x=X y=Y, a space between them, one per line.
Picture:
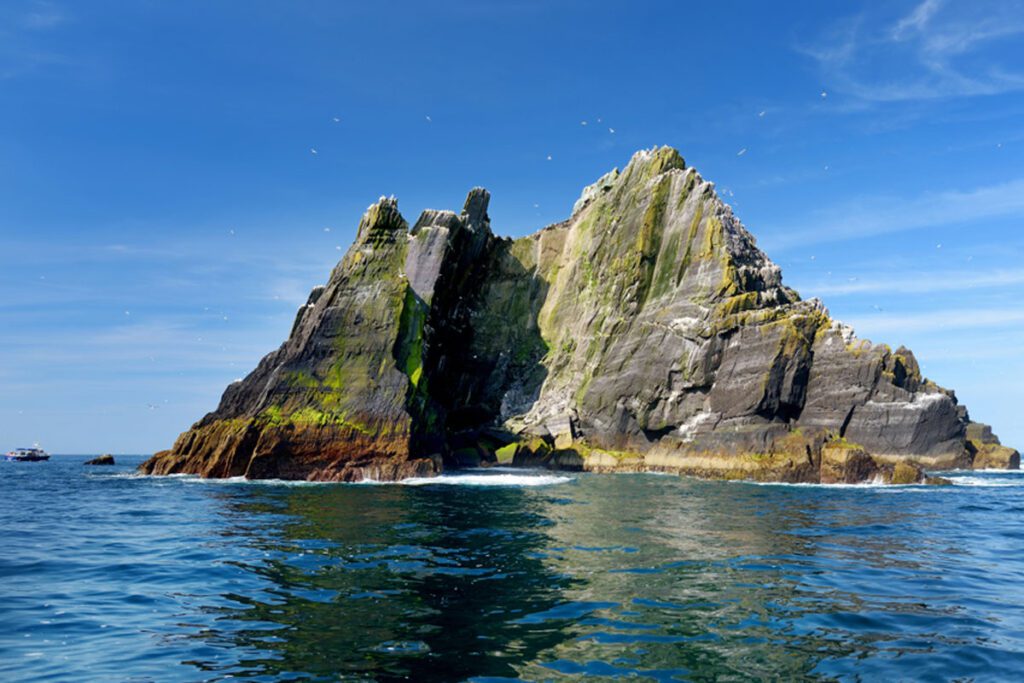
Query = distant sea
x=496 y=575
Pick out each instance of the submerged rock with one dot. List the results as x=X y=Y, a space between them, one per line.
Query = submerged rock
x=646 y=332
x=105 y=459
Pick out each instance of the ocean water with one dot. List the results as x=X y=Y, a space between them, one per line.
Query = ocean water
x=505 y=575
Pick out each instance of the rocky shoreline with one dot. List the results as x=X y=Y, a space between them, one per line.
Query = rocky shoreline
x=645 y=333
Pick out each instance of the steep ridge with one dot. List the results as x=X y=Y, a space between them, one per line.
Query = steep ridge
x=647 y=332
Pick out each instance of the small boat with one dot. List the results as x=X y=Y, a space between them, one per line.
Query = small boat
x=34 y=454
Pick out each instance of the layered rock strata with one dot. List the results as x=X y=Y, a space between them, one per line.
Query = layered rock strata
x=647 y=332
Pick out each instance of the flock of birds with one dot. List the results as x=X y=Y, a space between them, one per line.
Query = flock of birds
x=611 y=131
x=337 y=119
x=584 y=123
x=549 y=157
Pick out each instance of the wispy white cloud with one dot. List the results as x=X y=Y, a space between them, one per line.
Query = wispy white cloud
x=21 y=50
x=137 y=251
x=174 y=274
x=17 y=61
x=42 y=15
x=968 y=349
x=876 y=216
x=937 y=50
x=920 y=283
x=938 y=321
x=917 y=20
x=157 y=347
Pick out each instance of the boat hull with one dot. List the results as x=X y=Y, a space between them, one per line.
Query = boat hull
x=26 y=458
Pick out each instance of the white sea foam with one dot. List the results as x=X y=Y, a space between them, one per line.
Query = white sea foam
x=243 y=480
x=956 y=479
x=985 y=481
x=502 y=479
x=258 y=482
x=515 y=477
x=504 y=476
x=865 y=485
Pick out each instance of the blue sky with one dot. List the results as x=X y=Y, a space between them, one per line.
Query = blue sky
x=162 y=213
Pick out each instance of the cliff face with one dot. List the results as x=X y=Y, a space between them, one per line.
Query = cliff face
x=646 y=332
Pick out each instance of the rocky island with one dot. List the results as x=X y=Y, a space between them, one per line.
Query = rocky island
x=645 y=333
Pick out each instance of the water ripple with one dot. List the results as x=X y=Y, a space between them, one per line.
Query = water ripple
x=506 y=575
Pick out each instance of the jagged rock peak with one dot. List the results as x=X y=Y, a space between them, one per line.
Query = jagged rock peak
x=381 y=216
x=475 y=208
x=657 y=160
x=431 y=218
x=642 y=167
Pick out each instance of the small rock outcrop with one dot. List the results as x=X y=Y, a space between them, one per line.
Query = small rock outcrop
x=987 y=452
x=646 y=332
x=105 y=459
x=843 y=463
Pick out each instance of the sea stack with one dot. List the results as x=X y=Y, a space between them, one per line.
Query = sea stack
x=645 y=333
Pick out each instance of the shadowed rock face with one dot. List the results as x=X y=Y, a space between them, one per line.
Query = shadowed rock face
x=647 y=332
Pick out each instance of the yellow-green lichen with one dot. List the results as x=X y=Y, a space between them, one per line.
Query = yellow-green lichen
x=842 y=442
x=410 y=342
x=506 y=453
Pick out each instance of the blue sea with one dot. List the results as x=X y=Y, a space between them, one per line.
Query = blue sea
x=499 y=575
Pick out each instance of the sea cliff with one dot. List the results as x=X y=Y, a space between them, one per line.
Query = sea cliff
x=645 y=333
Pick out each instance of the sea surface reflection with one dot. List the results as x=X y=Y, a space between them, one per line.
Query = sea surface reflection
x=506 y=576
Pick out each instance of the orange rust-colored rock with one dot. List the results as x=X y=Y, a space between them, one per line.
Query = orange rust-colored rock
x=306 y=452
